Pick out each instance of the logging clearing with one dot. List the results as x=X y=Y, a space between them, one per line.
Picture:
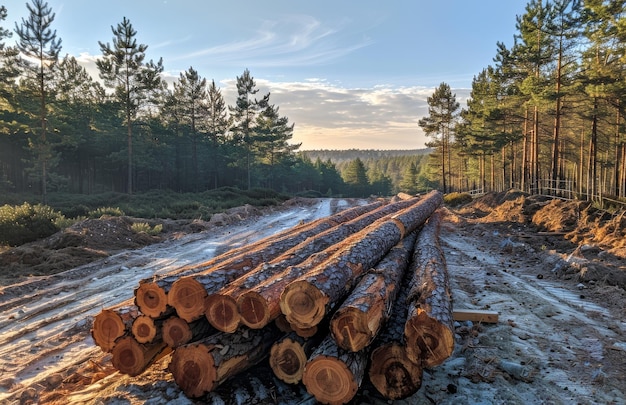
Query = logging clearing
x=535 y=316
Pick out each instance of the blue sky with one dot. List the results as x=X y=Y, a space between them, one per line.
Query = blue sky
x=349 y=74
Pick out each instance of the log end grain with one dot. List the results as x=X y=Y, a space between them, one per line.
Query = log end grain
x=392 y=373
x=132 y=358
x=287 y=360
x=303 y=304
x=107 y=327
x=352 y=329
x=221 y=312
x=151 y=299
x=193 y=369
x=428 y=341
x=176 y=332
x=187 y=297
x=144 y=329
x=254 y=310
x=329 y=380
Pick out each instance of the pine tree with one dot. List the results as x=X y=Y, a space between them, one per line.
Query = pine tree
x=439 y=124
x=217 y=126
x=38 y=42
x=123 y=69
x=355 y=176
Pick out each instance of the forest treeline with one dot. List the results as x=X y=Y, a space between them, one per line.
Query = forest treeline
x=547 y=115
x=63 y=130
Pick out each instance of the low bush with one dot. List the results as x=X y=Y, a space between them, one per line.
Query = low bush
x=139 y=227
x=456 y=199
x=26 y=223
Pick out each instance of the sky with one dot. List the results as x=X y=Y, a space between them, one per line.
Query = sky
x=349 y=74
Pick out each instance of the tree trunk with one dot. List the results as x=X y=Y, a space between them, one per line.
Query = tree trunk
x=428 y=331
x=152 y=295
x=391 y=371
x=113 y=323
x=334 y=375
x=221 y=307
x=132 y=358
x=198 y=368
x=307 y=300
x=289 y=355
x=177 y=332
x=146 y=329
x=357 y=322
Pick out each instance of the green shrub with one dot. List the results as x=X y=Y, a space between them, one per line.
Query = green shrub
x=456 y=199
x=110 y=211
x=139 y=227
x=24 y=223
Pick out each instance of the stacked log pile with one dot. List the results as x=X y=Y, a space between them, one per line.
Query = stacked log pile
x=360 y=294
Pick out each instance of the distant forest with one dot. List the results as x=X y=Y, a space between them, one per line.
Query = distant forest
x=547 y=116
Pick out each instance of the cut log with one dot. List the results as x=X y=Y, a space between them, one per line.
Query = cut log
x=132 y=358
x=177 y=332
x=391 y=372
x=289 y=355
x=307 y=300
x=200 y=367
x=146 y=329
x=334 y=375
x=429 y=331
x=113 y=323
x=475 y=315
x=221 y=308
x=152 y=294
x=357 y=321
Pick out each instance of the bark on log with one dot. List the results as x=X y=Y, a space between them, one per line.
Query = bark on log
x=429 y=331
x=391 y=372
x=221 y=307
x=200 y=367
x=357 y=321
x=132 y=358
x=151 y=295
x=177 y=332
x=289 y=355
x=113 y=323
x=334 y=375
x=146 y=329
x=307 y=300
x=188 y=294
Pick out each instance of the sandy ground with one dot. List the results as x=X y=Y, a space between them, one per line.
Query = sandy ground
x=559 y=339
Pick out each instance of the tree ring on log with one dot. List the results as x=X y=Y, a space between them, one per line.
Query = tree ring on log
x=253 y=310
x=351 y=330
x=187 y=296
x=107 y=327
x=329 y=380
x=128 y=356
x=144 y=330
x=193 y=370
x=151 y=299
x=287 y=360
x=428 y=342
x=392 y=373
x=221 y=312
x=176 y=332
x=303 y=304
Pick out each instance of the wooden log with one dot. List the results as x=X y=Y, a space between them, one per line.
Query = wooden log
x=475 y=315
x=198 y=368
x=132 y=358
x=289 y=355
x=177 y=332
x=357 y=321
x=429 y=329
x=152 y=294
x=146 y=329
x=221 y=307
x=391 y=372
x=307 y=300
x=113 y=323
x=334 y=375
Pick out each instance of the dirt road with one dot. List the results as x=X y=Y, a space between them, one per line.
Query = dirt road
x=558 y=341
